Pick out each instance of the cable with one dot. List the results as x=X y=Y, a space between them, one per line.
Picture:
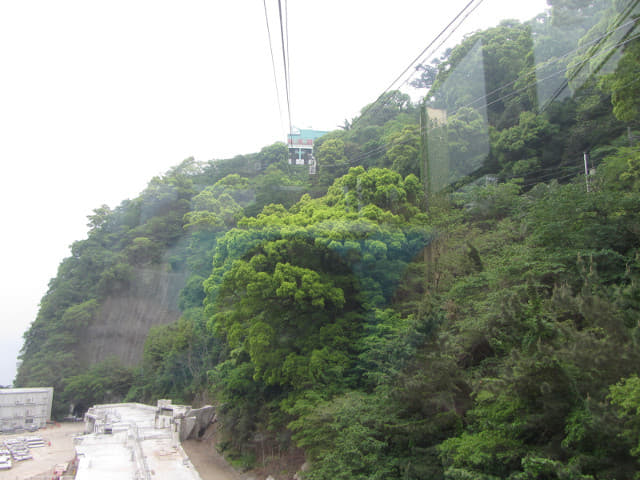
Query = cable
x=273 y=63
x=378 y=105
x=566 y=82
x=382 y=147
x=442 y=32
x=434 y=40
x=535 y=82
x=286 y=25
x=621 y=16
x=284 y=59
x=564 y=177
x=547 y=63
x=533 y=69
x=424 y=57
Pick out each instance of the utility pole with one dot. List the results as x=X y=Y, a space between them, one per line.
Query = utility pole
x=425 y=176
x=424 y=153
x=586 y=170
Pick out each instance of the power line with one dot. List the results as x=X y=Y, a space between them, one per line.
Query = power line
x=563 y=177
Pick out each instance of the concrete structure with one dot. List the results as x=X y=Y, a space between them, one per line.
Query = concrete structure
x=300 y=143
x=185 y=421
x=25 y=408
x=131 y=440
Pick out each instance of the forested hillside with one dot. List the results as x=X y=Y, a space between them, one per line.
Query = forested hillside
x=449 y=297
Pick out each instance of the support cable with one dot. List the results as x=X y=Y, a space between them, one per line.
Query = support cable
x=273 y=62
x=286 y=68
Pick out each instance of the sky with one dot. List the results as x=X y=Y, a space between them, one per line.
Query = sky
x=96 y=98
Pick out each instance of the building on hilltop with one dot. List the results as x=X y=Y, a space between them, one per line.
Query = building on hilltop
x=300 y=143
x=25 y=408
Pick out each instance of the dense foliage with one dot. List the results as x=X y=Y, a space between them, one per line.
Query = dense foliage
x=445 y=300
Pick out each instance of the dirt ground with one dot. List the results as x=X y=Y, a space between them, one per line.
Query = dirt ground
x=208 y=462
x=212 y=466
x=59 y=449
x=202 y=453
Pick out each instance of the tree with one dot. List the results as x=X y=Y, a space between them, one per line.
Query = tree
x=404 y=150
x=386 y=107
x=623 y=86
x=332 y=161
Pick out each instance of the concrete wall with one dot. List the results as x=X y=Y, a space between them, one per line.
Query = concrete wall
x=25 y=407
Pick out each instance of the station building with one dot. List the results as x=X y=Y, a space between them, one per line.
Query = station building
x=25 y=408
x=300 y=143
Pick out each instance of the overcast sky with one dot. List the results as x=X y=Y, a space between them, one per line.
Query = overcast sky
x=98 y=97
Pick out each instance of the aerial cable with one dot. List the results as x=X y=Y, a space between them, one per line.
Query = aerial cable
x=533 y=68
x=378 y=106
x=485 y=96
x=581 y=65
x=424 y=57
x=381 y=148
x=442 y=32
x=537 y=80
x=620 y=17
x=598 y=41
x=273 y=63
x=434 y=41
x=286 y=31
x=286 y=68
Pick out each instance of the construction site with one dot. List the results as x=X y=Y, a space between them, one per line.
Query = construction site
x=124 y=441
x=117 y=441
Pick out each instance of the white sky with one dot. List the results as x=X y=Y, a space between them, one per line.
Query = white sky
x=98 y=97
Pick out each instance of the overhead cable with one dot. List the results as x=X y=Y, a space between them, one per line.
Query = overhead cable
x=435 y=39
x=381 y=148
x=423 y=56
x=286 y=68
x=621 y=16
x=546 y=63
x=273 y=63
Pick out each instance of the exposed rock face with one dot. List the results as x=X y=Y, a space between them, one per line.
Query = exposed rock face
x=122 y=324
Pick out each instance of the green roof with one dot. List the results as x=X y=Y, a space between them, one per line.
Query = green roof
x=306 y=134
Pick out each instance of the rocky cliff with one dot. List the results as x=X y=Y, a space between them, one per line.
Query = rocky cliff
x=123 y=321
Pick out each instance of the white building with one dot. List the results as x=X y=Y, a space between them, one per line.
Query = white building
x=27 y=408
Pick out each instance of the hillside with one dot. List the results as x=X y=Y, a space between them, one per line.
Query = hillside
x=449 y=297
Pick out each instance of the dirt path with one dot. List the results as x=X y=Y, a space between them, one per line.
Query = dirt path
x=59 y=449
x=209 y=463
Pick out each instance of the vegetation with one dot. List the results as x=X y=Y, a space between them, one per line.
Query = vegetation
x=474 y=315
